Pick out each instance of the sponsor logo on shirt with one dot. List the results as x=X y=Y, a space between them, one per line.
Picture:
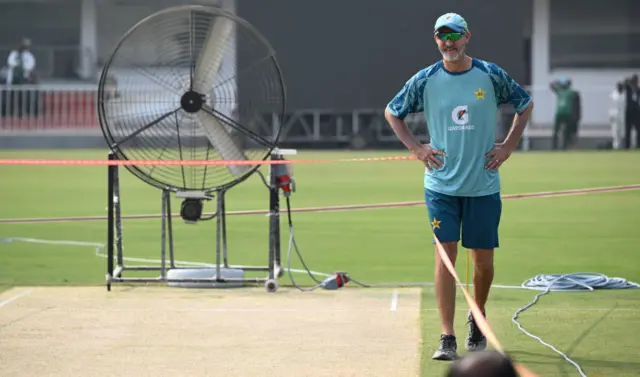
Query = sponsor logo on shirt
x=460 y=116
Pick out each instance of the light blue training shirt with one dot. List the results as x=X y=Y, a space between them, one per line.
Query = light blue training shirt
x=461 y=111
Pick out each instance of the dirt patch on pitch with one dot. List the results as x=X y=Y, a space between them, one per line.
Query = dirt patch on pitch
x=158 y=331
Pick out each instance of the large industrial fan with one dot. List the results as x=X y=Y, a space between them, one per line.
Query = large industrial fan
x=192 y=83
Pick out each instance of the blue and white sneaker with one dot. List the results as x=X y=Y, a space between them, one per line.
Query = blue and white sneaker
x=476 y=341
x=448 y=348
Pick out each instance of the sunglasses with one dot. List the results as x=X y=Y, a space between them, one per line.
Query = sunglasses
x=452 y=36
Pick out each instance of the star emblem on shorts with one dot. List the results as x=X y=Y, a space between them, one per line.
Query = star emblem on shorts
x=435 y=223
x=479 y=94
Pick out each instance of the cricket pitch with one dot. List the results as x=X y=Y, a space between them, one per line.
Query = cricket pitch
x=161 y=331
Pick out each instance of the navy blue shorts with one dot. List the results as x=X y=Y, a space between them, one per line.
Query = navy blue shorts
x=475 y=218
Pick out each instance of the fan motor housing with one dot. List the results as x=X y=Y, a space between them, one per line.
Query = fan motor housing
x=191 y=210
x=191 y=101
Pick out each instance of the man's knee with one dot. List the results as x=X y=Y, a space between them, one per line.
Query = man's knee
x=451 y=250
x=483 y=258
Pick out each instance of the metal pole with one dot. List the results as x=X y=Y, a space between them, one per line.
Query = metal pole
x=118 y=216
x=163 y=247
x=172 y=261
x=274 y=219
x=224 y=229
x=110 y=178
x=218 y=232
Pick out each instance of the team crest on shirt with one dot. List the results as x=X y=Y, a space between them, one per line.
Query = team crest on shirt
x=460 y=116
x=480 y=93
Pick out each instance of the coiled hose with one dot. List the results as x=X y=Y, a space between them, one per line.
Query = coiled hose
x=574 y=282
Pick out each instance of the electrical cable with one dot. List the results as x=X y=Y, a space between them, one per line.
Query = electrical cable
x=574 y=282
x=294 y=246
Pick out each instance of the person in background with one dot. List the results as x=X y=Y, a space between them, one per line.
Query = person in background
x=21 y=63
x=632 y=113
x=617 y=114
x=568 y=113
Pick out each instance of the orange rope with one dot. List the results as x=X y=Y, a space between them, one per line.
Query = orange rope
x=476 y=312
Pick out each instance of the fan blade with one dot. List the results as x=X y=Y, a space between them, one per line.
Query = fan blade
x=222 y=142
x=207 y=67
x=210 y=57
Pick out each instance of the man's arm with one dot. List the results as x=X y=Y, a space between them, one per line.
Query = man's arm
x=408 y=100
x=402 y=131
x=29 y=61
x=509 y=91
x=12 y=59
x=517 y=128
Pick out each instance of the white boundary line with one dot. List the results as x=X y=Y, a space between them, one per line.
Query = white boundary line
x=394 y=300
x=99 y=252
x=13 y=298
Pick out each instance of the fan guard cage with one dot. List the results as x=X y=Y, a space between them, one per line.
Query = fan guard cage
x=156 y=72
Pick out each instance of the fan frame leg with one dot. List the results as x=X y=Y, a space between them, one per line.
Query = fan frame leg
x=116 y=261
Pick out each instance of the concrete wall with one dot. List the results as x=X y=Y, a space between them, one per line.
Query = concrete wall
x=595 y=44
x=342 y=55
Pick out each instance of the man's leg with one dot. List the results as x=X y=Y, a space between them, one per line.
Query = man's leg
x=573 y=138
x=444 y=219
x=636 y=122
x=556 y=133
x=482 y=275
x=566 y=133
x=615 y=133
x=480 y=222
x=627 y=129
x=445 y=286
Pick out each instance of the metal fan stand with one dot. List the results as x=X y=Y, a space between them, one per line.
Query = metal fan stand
x=220 y=275
x=134 y=136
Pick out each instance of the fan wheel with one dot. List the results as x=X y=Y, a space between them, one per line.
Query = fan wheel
x=191 y=82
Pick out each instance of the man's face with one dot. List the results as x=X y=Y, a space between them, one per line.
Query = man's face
x=451 y=43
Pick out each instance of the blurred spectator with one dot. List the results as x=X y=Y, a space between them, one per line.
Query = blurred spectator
x=632 y=113
x=21 y=64
x=617 y=114
x=15 y=101
x=568 y=113
x=487 y=363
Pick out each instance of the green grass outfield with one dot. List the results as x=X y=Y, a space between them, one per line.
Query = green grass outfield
x=580 y=233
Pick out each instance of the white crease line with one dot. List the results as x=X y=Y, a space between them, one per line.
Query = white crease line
x=11 y=299
x=394 y=300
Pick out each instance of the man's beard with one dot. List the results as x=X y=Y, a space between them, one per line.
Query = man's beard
x=453 y=55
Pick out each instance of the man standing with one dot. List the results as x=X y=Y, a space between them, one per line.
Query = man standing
x=617 y=114
x=21 y=64
x=632 y=113
x=568 y=113
x=459 y=96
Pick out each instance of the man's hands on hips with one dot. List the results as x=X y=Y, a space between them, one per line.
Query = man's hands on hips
x=498 y=155
x=427 y=155
x=501 y=151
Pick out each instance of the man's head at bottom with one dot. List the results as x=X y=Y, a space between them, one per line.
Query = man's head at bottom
x=486 y=363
